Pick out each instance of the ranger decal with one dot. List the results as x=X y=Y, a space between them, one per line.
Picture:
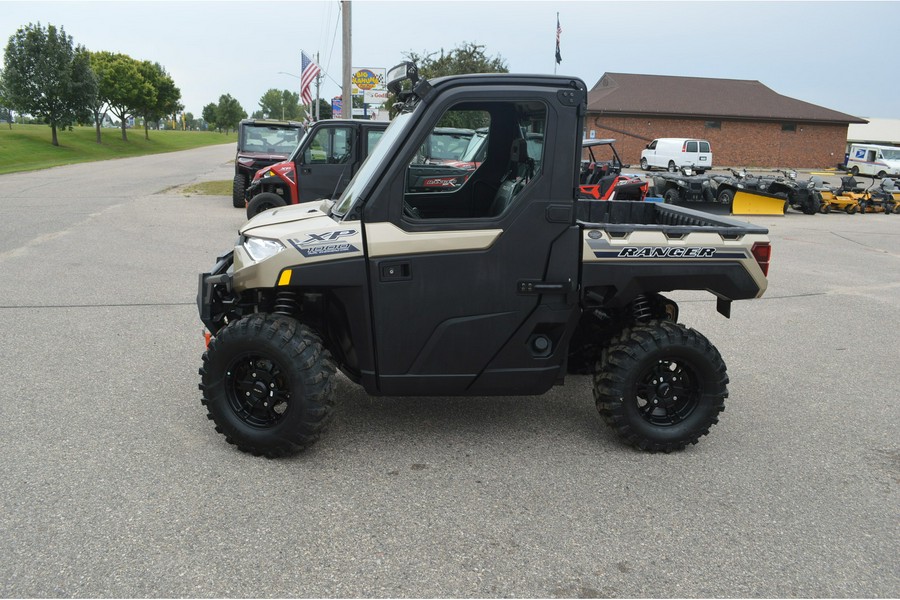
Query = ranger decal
x=666 y=252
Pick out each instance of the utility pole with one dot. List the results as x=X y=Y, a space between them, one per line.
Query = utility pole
x=318 y=83
x=346 y=98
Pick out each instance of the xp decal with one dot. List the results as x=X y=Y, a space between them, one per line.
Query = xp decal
x=329 y=242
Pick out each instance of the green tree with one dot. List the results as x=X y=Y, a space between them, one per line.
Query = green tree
x=324 y=109
x=209 y=114
x=468 y=57
x=162 y=101
x=229 y=112
x=47 y=76
x=5 y=112
x=121 y=85
x=279 y=104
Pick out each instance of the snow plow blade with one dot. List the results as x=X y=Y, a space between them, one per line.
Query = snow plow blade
x=757 y=203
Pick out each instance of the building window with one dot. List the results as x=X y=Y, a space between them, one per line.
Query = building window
x=714 y=124
x=789 y=127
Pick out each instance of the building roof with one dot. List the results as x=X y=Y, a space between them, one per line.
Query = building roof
x=698 y=97
x=876 y=131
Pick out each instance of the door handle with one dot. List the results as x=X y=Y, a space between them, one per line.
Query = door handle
x=394 y=272
x=544 y=287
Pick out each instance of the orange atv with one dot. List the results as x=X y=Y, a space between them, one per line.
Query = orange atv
x=603 y=179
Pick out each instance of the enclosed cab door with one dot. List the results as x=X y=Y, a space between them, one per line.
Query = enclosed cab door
x=325 y=165
x=474 y=272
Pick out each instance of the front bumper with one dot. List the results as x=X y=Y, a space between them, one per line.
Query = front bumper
x=215 y=296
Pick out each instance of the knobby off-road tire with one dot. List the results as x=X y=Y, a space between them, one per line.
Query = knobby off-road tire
x=725 y=197
x=237 y=191
x=671 y=196
x=268 y=384
x=262 y=202
x=660 y=386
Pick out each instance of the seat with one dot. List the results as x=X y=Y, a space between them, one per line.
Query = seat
x=521 y=169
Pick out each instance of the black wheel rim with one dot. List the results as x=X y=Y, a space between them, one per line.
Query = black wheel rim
x=667 y=392
x=257 y=390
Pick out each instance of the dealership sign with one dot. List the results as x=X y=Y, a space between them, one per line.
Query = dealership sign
x=364 y=80
x=375 y=97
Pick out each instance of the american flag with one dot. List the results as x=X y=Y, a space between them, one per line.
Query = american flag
x=558 y=31
x=308 y=72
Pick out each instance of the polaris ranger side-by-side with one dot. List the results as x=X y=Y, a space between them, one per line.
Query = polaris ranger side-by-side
x=498 y=286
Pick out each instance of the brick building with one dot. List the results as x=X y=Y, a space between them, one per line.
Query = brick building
x=746 y=123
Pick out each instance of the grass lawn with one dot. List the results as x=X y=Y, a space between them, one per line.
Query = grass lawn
x=28 y=147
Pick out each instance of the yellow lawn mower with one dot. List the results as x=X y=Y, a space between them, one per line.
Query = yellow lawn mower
x=842 y=198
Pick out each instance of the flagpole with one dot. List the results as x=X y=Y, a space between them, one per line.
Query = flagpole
x=556 y=64
x=318 y=82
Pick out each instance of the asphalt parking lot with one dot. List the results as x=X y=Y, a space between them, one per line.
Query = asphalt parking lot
x=116 y=485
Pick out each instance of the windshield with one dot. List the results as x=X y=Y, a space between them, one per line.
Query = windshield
x=271 y=139
x=891 y=154
x=295 y=153
x=476 y=144
x=446 y=144
x=370 y=166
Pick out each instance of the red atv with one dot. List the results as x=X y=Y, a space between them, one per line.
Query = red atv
x=261 y=143
x=319 y=167
x=603 y=179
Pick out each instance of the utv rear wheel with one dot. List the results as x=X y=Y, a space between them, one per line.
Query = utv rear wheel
x=238 y=187
x=660 y=386
x=825 y=208
x=852 y=209
x=262 y=202
x=268 y=385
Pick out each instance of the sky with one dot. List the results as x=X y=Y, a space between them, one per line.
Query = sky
x=834 y=54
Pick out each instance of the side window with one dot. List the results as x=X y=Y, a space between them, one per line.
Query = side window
x=341 y=147
x=476 y=161
x=652 y=145
x=692 y=147
x=373 y=136
x=330 y=146
x=704 y=146
x=440 y=165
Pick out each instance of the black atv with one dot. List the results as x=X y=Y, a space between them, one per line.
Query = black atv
x=802 y=196
x=725 y=186
x=682 y=187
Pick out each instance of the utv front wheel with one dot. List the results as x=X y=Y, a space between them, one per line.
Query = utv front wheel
x=238 y=186
x=725 y=197
x=262 y=202
x=268 y=385
x=671 y=196
x=660 y=386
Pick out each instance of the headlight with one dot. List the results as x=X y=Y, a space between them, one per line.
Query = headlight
x=682 y=182
x=261 y=249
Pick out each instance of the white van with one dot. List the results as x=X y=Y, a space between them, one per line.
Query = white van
x=674 y=153
x=871 y=159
